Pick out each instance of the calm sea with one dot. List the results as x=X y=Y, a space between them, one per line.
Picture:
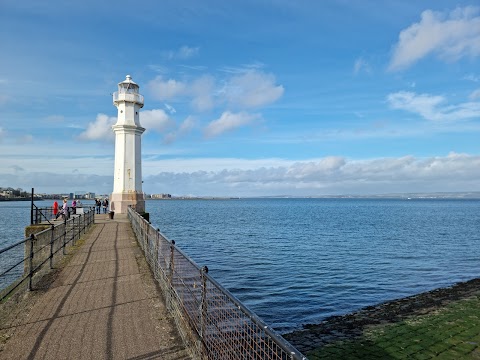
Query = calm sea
x=298 y=261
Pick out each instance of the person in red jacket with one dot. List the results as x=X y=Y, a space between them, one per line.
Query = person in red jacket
x=55 y=208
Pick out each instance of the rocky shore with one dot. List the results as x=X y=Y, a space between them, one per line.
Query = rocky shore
x=351 y=326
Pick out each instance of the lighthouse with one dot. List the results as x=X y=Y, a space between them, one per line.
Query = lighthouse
x=127 y=181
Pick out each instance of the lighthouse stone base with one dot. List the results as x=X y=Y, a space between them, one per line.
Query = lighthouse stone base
x=120 y=202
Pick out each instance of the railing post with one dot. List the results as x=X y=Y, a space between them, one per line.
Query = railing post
x=31 y=207
x=145 y=236
x=64 y=235
x=157 y=265
x=30 y=287
x=52 y=229
x=203 y=305
x=171 y=269
x=79 y=229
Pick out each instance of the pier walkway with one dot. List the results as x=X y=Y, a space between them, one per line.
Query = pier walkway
x=103 y=304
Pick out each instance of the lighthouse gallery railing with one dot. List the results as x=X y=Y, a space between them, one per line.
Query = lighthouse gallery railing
x=132 y=97
x=211 y=320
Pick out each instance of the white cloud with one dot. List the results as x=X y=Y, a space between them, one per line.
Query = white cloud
x=185 y=52
x=229 y=121
x=244 y=68
x=433 y=107
x=252 y=89
x=475 y=95
x=185 y=127
x=202 y=90
x=167 y=89
x=248 y=89
x=170 y=108
x=361 y=65
x=100 y=129
x=243 y=177
x=330 y=175
x=449 y=35
x=472 y=77
x=156 y=120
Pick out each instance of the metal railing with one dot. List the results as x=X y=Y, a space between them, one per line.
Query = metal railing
x=24 y=262
x=41 y=214
x=130 y=97
x=211 y=320
x=47 y=214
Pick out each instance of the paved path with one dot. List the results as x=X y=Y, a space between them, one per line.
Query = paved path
x=103 y=305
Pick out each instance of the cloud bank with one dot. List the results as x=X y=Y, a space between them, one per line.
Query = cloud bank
x=325 y=176
x=333 y=175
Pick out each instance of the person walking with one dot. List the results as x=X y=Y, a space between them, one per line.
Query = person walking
x=74 y=207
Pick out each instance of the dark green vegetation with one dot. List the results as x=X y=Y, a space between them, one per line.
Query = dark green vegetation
x=452 y=332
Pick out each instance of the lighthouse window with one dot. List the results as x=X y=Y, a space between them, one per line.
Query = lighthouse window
x=136 y=112
x=121 y=111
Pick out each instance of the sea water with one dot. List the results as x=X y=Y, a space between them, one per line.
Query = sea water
x=298 y=261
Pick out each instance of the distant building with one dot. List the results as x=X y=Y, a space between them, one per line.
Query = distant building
x=7 y=193
x=161 y=196
x=80 y=194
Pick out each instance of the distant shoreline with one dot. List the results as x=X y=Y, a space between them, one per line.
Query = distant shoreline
x=472 y=195
x=18 y=199
x=408 y=196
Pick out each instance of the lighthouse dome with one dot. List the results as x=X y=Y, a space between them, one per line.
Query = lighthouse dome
x=128 y=86
x=128 y=92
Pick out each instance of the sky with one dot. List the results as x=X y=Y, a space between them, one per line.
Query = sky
x=244 y=98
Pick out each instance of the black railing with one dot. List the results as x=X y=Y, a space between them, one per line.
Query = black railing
x=211 y=320
x=25 y=261
x=40 y=215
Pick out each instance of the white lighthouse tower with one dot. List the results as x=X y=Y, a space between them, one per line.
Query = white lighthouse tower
x=127 y=183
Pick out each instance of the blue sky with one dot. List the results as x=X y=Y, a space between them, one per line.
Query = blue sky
x=244 y=98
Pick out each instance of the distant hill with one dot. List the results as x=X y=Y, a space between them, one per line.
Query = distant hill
x=434 y=195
